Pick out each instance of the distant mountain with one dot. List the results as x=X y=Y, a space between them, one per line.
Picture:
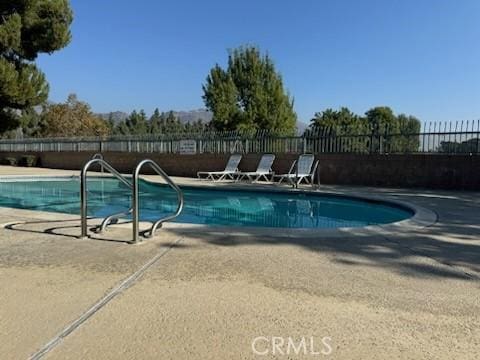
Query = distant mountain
x=301 y=127
x=194 y=115
x=186 y=117
x=117 y=116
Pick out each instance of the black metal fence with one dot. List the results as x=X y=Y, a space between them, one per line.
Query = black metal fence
x=461 y=137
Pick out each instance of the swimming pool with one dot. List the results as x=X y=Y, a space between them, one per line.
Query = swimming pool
x=215 y=207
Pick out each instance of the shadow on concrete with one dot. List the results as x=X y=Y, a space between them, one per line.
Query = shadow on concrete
x=400 y=253
x=64 y=231
x=453 y=243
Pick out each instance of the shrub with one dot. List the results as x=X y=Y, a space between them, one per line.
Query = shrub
x=29 y=160
x=9 y=161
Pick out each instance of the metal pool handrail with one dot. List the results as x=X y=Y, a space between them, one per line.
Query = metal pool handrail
x=83 y=188
x=135 y=216
x=100 y=228
x=99 y=156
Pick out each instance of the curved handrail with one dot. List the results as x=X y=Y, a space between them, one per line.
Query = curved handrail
x=109 y=219
x=135 y=215
x=83 y=188
x=99 y=156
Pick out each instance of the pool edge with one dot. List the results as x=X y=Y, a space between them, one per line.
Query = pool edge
x=422 y=217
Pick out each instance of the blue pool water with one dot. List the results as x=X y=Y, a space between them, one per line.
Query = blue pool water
x=202 y=206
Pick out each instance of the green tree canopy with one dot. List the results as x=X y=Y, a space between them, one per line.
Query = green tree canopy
x=381 y=119
x=155 y=122
x=380 y=130
x=249 y=94
x=464 y=147
x=137 y=123
x=338 y=122
x=27 y=28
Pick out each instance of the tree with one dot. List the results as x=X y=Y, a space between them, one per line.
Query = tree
x=121 y=129
x=28 y=125
x=137 y=123
x=27 y=28
x=379 y=131
x=110 y=123
x=381 y=119
x=338 y=122
x=72 y=118
x=198 y=126
x=173 y=124
x=249 y=94
x=155 y=122
x=393 y=133
x=409 y=129
x=470 y=146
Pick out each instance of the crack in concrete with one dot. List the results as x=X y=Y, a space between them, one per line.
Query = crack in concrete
x=124 y=285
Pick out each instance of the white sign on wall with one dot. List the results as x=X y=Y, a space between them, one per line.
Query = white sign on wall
x=188 y=147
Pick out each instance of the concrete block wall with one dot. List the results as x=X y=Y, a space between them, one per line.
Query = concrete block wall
x=415 y=170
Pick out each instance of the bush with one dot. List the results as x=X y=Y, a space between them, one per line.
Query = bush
x=9 y=161
x=29 y=160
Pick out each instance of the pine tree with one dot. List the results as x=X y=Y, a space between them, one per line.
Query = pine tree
x=249 y=94
x=154 y=123
x=121 y=128
x=28 y=28
x=137 y=123
x=111 y=122
x=198 y=126
x=173 y=124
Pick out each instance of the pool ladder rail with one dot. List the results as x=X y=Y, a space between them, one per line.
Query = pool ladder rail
x=134 y=187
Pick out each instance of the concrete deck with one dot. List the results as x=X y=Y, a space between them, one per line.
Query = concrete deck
x=208 y=294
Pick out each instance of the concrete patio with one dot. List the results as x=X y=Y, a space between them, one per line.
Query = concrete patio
x=208 y=294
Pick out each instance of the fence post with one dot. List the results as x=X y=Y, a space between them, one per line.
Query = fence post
x=371 y=142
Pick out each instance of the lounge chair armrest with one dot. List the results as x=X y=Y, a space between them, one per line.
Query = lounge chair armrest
x=290 y=171
x=314 y=169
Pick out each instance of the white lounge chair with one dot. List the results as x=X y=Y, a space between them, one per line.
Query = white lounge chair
x=231 y=169
x=301 y=169
x=264 y=169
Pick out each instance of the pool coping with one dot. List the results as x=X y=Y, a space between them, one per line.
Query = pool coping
x=422 y=217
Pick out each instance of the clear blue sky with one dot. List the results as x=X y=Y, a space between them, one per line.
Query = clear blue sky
x=420 y=57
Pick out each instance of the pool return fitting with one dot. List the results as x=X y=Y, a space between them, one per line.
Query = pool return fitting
x=134 y=187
